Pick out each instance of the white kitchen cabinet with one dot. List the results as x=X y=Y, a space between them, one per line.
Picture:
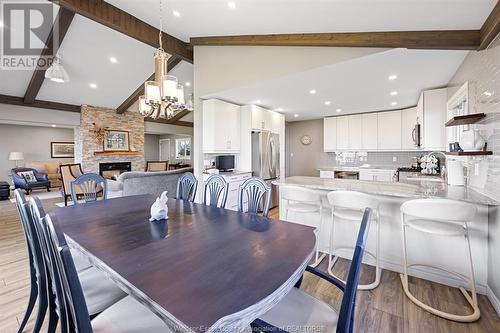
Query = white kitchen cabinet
x=326 y=174
x=329 y=134
x=234 y=184
x=355 y=132
x=377 y=175
x=221 y=127
x=433 y=105
x=408 y=122
x=389 y=130
x=277 y=121
x=261 y=118
x=369 y=131
x=342 y=134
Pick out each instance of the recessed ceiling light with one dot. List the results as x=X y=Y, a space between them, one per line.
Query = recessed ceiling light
x=187 y=84
x=113 y=60
x=488 y=93
x=279 y=109
x=257 y=101
x=176 y=13
x=339 y=110
x=394 y=93
x=93 y=86
x=312 y=91
x=394 y=103
x=53 y=125
x=296 y=115
x=392 y=77
x=328 y=102
x=231 y=4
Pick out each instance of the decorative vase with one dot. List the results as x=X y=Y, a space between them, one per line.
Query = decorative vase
x=479 y=141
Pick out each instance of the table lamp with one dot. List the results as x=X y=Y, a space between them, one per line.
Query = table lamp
x=16 y=156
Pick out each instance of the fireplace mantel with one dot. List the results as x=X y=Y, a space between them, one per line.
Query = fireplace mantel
x=128 y=152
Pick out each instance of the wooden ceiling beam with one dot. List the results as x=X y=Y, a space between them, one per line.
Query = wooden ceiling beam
x=121 y=21
x=440 y=39
x=491 y=27
x=13 y=100
x=165 y=121
x=172 y=62
x=59 y=30
x=178 y=116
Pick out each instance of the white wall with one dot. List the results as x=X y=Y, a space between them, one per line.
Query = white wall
x=33 y=141
x=36 y=116
x=151 y=147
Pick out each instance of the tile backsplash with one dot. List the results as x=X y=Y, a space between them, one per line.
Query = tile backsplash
x=396 y=158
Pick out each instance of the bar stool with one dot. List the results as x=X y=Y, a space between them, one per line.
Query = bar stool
x=445 y=218
x=348 y=206
x=304 y=201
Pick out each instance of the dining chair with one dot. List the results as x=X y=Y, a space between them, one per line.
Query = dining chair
x=302 y=201
x=186 y=187
x=216 y=191
x=298 y=309
x=348 y=208
x=153 y=166
x=38 y=280
x=100 y=292
x=125 y=316
x=255 y=190
x=442 y=218
x=69 y=172
x=87 y=187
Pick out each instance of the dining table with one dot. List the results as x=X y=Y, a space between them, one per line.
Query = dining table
x=204 y=269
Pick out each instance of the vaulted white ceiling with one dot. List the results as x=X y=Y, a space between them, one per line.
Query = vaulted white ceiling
x=214 y=17
x=354 y=86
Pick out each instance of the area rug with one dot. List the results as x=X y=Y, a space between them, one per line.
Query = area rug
x=53 y=194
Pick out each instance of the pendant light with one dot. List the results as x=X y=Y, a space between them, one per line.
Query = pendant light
x=56 y=71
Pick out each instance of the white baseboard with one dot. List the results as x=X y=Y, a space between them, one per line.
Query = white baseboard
x=493 y=299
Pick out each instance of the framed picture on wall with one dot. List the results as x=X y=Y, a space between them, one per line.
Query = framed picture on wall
x=116 y=141
x=62 y=149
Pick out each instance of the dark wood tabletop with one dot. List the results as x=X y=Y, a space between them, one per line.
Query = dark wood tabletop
x=203 y=269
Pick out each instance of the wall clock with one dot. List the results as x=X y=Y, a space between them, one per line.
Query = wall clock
x=306 y=140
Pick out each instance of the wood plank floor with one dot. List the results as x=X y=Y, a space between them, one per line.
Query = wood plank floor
x=385 y=309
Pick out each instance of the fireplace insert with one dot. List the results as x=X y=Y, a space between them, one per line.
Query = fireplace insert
x=114 y=169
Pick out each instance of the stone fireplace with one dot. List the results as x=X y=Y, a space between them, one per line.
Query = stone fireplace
x=89 y=151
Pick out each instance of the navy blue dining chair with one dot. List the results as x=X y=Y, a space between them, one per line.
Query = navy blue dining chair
x=87 y=187
x=186 y=187
x=216 y=191
x=255 y=190
x=39 y=284
x=301 y=310
x=125 y=316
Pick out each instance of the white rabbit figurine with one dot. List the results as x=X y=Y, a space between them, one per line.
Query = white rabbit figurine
x=159 y=209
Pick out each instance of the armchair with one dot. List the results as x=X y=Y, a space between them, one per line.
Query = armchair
x=42 y=180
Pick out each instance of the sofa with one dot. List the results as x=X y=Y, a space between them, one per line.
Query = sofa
x=41 y=180
x=51 y=169
x=142 y=182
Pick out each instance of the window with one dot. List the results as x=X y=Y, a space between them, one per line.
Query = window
x=183 y=149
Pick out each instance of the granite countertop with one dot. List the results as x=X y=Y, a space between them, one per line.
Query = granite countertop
x=357 y=168
x=230 y=173
x=421 y=189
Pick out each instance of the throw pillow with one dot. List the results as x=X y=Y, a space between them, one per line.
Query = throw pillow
x=29 y=176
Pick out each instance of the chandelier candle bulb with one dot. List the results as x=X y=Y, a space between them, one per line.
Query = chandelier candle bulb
x=170 y=88
x=152 y=92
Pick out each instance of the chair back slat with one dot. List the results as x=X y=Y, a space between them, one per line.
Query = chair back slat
x=216 y=191
x=255 y=190
x=346 y=313
x=88 y=186
x=186 y=187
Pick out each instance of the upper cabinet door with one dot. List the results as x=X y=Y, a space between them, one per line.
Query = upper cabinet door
x=221 y=126
x=389 y=130
x=261 y=118
x=369 y=131
x=355 y=132
x=408 y=122
x=329 y=134
x=434 y=106
x=276 y=122
x=343 y=133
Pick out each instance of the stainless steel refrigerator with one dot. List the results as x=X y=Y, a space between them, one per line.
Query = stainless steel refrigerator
x=266 y=160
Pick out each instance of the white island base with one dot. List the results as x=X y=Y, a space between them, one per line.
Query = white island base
x=442 y=251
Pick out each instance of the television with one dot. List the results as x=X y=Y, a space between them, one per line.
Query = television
x=224 y=162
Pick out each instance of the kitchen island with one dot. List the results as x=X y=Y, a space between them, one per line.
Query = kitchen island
x=447 y=252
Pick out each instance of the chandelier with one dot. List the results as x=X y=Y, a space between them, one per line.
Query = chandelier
x=164 y=96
